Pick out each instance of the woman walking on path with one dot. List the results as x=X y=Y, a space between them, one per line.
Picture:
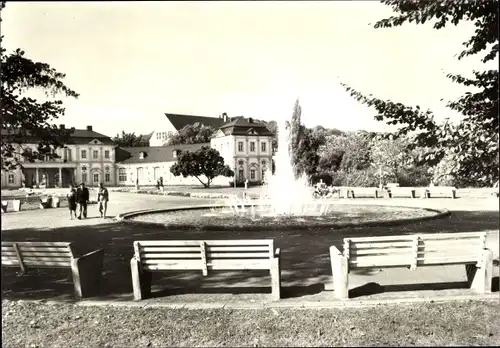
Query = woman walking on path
x=71 y=196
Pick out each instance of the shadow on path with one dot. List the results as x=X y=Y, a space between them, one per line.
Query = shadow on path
x=305 y=258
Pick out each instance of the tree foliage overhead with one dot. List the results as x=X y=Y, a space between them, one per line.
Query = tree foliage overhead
x=204 y=162
x=130 y=140
x=23 y=116
x=472 y=144
x=196 y=133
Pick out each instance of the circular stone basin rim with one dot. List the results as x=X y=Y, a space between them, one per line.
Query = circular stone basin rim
x=439 y=213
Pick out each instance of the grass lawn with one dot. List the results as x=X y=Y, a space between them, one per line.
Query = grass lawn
x=475 y=323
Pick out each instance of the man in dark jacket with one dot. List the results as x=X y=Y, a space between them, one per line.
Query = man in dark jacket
x=82 y=198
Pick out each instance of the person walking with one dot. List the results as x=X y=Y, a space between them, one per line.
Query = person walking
x=71 y=196
x=82 y=197
x=103 y=198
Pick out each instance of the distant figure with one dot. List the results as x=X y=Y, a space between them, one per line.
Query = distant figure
x=82 y=198
x=246 y=184
x=161 y=182
x=103 y=198
x=71 y=196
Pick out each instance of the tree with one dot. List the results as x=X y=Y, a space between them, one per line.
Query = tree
x=296 y=132
x=390 y=156
x=196 y=133
x=472 y=144
x=205 y=162
x=272 y=126
x=130 y=140
x=24 y=117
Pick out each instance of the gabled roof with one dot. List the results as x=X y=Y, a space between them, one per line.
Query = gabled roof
x=245 y=126
x=180 y=121
x=78 y=136
x=152 y=154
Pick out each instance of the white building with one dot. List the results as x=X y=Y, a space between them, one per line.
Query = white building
x=172 y=123
x=87 y=157
x=245 y=146
x=145 y=165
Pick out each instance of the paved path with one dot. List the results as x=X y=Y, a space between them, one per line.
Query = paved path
x=120 y=202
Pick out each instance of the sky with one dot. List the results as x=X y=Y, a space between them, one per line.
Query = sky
x=131 y=62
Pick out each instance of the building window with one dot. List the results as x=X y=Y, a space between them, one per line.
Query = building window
x=240 y=146
x=10 y=178
x=122 y=175
x=84 y=154
x=107 y=177
x=96 y=178
x=156 y=173
x=240 y=175
x=170 y=133
x=252 y=174
x=84 y=178
x=240 y=162
x=68 y=155
x=106 y=154
x=95 y=154
x=263 y=147
x=158 y=135
x=252 y=146
x=140 y=174
x=263 y=173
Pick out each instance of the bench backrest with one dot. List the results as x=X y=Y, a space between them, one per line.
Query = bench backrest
x=205 y=254
x=415 y=250
x=441 y=189
x=37 y=254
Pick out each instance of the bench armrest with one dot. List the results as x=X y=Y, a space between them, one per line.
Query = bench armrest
x=277 y=253
x=335 y=251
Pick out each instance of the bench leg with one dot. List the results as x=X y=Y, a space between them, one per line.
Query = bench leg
x=87 y=274
x=480 y=279
x=340 y=274
x=275 y=279
x=141 y=281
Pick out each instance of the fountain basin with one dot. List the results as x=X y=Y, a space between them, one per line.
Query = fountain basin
x=220 y=217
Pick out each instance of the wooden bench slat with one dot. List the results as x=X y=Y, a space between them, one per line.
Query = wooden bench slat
x=381 y=245
x=37 y=244
x=378 y=262
x=42 y=259
x=156 y=256
x=10 y=262
x=256 y=242
x=150 y=249
x=237 y=248
x=239 y=255
x=388 y=251
x=44 y=249
x=38 y=263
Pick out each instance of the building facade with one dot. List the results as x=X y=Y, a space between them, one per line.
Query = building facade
x=92 y=158
x=144 y=166
x=88 y=157
x=245 y=146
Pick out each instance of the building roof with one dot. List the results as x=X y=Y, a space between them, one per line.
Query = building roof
x=245 y=126
x=78 y=136
x=152 y=154
x=180 y=121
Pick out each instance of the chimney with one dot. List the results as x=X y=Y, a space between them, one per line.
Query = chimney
x=250 y=120
x=225 y=117
x=62 y=126
x=89 y=128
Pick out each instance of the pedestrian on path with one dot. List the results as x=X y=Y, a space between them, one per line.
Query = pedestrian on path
x=103 y=198
x=71 y=196
x=82 y=197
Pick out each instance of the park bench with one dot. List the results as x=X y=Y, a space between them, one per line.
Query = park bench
x=400 y=192
x=365 y=192
x=414 y=251
x=446 y=191
x=205 y=256
x=86 y=270
x=14 y=203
